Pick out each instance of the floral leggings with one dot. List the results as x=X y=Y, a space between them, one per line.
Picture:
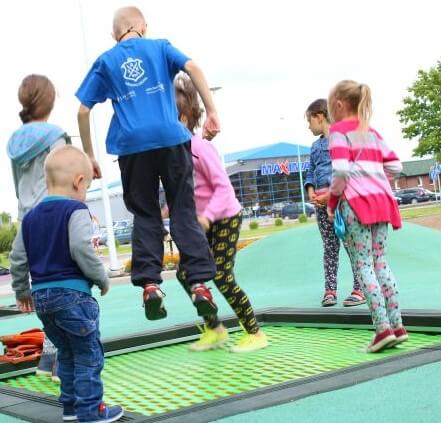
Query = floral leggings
x=331 y=249
x=223 y=236
x=366 y=245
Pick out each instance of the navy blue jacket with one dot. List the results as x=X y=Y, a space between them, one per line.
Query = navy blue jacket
x=46 y=238
x=320 y=166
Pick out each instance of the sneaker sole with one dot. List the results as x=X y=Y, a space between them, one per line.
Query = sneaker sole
x=208 y=348
x=353 y=303
x=398 y=341
x=238 y=351
x=109 y=420
x=204 y=307
x=154 y=309
x=329 y=304
x=384 y=343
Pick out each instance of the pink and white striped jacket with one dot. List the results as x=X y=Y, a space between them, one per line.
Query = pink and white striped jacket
x=363 y=183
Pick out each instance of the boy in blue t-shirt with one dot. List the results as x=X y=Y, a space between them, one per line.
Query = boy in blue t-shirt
x=145 y=132
x=54 y=246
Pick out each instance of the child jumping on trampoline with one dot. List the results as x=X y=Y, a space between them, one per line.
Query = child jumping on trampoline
x=360 y=188
x=137 y=75
x=219 y=214
x=53 y=245
x=318 y=180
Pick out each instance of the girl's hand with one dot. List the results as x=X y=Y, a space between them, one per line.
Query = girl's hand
x=211 y=126
x=322 y=200
x=330 y=214
x=204 y=222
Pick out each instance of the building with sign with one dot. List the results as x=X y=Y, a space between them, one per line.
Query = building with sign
x=267 y=175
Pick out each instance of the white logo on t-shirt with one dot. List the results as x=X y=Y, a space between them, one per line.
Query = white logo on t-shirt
x=133 y=70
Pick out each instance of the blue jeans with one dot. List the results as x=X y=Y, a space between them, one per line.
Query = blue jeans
x=71 y=321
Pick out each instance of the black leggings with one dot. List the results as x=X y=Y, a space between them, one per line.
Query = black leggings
x=331 y=249
x=223 y=236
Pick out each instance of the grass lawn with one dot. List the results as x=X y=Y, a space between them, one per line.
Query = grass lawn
x=269 y=230
x=420 y=211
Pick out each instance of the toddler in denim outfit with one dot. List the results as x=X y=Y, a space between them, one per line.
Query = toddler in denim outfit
x=54 y=246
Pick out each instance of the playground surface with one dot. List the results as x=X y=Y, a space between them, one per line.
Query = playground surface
x=283 y=270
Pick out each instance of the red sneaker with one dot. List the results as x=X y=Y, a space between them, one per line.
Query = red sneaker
x=153 y=304
x=400 y=335
x=203 y=300
x=382 y=340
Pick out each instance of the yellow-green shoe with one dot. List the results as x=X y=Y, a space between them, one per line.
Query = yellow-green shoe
x=209 y=340
x=249 y=342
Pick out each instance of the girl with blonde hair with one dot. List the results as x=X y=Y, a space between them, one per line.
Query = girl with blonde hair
x=361 y=166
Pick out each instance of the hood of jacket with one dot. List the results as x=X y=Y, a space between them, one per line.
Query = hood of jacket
x=31 y=139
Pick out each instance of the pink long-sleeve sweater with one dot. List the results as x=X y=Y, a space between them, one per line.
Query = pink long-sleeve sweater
x=214 y=195
x=365 y=183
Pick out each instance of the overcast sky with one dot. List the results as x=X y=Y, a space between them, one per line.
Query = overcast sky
x=271 y=58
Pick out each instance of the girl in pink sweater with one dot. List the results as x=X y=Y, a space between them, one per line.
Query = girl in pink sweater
x=361 y=164
x=219 y=214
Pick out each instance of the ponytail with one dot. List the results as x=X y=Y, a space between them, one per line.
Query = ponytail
x=364 y=110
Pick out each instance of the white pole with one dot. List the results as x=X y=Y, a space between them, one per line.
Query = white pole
x=439 y=188
x=114 y=266
x=301 y=179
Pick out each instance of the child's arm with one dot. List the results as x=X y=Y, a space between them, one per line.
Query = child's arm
x=340 y=154
x=86 y=140
x=20 y=274
x=210 y=166
x=82 y=252
x=211 y=125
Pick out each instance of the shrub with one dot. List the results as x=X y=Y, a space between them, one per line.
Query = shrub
x=7 y=235
x=254 y=225
x=303 y=218
x=278 y=222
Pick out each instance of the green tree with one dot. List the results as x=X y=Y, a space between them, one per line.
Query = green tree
x=5 y=218
x=421 y=114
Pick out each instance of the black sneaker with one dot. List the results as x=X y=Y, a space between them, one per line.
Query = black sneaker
x=153 y=304
x=203 y=300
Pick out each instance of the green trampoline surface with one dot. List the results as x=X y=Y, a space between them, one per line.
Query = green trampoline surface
x=169 y=378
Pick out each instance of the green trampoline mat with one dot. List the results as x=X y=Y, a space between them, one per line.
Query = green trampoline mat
x=168 y=378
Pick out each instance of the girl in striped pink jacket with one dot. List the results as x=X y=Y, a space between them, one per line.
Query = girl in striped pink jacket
x=361 y=165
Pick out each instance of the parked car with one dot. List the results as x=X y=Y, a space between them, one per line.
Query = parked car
x=123 y=235
x=121 y=224
x=434 y=196
x=4 y=271
x=293 y=210
x=276 y=208
x=414 y=195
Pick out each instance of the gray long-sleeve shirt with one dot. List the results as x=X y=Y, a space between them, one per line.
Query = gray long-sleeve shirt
x=81 y=250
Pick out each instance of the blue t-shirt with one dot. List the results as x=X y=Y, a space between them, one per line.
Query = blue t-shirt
x=137 y=75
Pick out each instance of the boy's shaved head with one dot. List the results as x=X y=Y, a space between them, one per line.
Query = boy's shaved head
x=64 y=164
x=127 y=18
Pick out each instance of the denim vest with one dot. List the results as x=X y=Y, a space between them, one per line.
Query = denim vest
x=320 y=167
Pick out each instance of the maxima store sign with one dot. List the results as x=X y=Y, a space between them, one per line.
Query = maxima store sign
x=284 y=168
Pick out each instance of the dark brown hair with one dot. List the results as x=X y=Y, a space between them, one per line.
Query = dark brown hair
x=187 y=100
x=318 y=107
x=37 y=96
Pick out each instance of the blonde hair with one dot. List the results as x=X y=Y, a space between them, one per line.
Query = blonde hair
x=62 y=164
x=358 y=99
